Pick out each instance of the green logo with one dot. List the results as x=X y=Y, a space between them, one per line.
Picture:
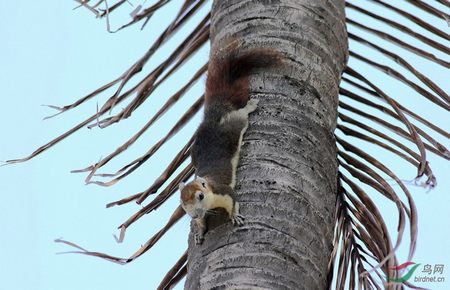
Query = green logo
x=405 y=277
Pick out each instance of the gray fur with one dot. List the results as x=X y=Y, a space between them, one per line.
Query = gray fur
x=218 y=141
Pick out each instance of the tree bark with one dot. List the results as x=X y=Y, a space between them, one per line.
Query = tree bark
x=287 y=174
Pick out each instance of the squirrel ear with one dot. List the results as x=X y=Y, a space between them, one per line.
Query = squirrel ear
x=181 y=185
x=202 y=181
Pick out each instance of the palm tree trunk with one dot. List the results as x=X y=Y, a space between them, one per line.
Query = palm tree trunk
x=287 y=177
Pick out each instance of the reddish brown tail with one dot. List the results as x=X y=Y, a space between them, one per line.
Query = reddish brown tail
x=227 y=80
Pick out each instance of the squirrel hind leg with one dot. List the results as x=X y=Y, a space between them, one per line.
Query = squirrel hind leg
x=241 y=114
x=251 y=106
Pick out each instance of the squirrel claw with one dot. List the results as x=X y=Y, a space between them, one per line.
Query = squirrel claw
x=237 y=220
x=198 y=239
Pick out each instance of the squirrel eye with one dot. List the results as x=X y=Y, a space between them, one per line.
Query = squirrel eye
x=201 y=196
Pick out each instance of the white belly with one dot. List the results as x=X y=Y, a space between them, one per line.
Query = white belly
x=235 y=159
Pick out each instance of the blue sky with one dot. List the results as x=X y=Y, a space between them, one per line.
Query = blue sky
x=53 y=55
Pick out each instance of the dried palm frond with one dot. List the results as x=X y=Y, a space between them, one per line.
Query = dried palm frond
x=364 y=249
x=363 y=102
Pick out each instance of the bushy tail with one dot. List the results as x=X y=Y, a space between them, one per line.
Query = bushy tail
x=228 y=75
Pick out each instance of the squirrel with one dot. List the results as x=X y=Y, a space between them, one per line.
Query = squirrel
x=216 y=148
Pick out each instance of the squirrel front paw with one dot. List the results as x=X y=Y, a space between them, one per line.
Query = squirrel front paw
x=199 y=238
x=237 y=220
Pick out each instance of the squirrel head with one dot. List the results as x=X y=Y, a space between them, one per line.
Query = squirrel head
x=195 y=197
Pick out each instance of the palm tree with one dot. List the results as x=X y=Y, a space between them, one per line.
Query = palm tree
x=305 y=188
